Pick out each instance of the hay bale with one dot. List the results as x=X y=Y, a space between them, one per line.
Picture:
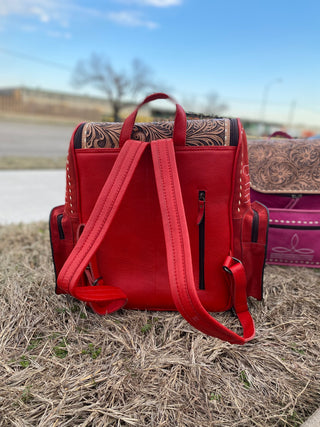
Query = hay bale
x=62 y=365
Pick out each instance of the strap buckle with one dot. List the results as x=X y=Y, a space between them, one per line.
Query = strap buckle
x=228 y=264
x=237 y=282
x=95 y=282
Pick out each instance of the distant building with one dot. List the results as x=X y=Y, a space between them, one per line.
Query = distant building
x=41 y=102
x=38 y=102
x=256 y=127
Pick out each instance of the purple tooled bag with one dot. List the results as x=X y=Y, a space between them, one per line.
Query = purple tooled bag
x=285 y=177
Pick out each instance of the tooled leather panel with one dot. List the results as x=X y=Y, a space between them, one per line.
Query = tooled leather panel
x=199 y=132
x=285 y=166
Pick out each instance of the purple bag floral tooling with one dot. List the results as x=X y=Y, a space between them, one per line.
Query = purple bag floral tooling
x=285 y=177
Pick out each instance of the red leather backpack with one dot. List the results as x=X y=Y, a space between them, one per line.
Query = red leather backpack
x=158 y=217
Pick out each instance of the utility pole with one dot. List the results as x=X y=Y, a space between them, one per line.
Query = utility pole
x=265 y=100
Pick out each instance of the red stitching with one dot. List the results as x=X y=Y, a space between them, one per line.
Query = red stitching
x=165 y=149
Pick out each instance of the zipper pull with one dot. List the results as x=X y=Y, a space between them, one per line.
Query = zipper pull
x=294 y=200
x=201 y=206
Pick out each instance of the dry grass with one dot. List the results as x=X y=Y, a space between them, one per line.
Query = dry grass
x=62 y=365
x=16 y=162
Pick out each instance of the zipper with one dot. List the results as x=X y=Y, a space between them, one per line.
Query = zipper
x=77 y=140
x=294 y=200
x=295 y=227
x=234 y=132
x=255 y=227
x=60 y=228
x=201 y=225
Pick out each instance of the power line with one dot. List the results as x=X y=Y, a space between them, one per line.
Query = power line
x=54 y=64
x=27 y=57
x=249 y=101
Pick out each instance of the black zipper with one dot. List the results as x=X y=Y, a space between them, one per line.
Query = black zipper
x=234 y=132
x=201 y=224
x=255 y=227
x=295 y=227
x=77 y=140
x=60 y=228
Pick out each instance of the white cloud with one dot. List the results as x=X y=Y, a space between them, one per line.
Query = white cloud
x=62 y=11
x=160 y=3
x=154 y=3
x=131 y=19
x=59 y=35
x=41 y=14
x=44 y=10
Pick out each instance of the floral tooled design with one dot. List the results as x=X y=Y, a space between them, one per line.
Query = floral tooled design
x=97 y=136
x=304 y=155
x=152 y=131
x=315 y=174
x=139 y=135
x=206 y=132
x=260 y=154
x=199 y=132
x=285 y=166
x=278 y=173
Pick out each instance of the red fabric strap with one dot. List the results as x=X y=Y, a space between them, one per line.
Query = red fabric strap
x=179 y=258
x=97 y=226
x=238 y=289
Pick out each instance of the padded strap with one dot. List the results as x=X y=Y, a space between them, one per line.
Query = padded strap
x=102 y=298
x=179 y=254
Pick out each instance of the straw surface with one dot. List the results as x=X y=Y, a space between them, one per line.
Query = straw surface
x=62 y=365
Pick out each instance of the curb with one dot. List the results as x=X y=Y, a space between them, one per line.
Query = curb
x=313 y=421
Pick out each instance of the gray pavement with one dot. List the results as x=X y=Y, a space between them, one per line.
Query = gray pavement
x=34 y=139
x=28 y=196
x=313 y=421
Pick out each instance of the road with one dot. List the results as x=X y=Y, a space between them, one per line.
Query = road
x=34 y=140
x=29 y=195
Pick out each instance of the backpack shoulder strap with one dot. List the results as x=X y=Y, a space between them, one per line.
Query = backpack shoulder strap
x=102 y=298
x=179 y=257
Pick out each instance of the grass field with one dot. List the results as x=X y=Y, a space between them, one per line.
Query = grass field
x=15 y=163
x=62 y=365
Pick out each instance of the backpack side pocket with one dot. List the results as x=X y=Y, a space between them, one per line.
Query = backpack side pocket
x=61 y=237
x=254 y=244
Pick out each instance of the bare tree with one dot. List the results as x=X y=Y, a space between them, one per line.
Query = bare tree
x=209 y=106
x=213 y=106
x=118 y=86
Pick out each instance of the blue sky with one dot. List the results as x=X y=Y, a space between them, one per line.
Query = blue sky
x=250 y=53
